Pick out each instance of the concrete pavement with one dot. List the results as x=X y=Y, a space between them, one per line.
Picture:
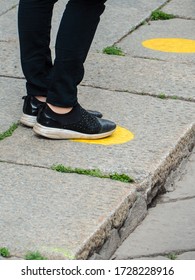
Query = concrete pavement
x=150 y=95
x=168 y=230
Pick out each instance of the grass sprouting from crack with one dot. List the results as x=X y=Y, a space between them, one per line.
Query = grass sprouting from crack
x=8 y=132
x=164 y=96
x=93 y=172
x=160 y=15
x=161 y=96
x=4 y=252
x=34 y=256
x=113 y=50
x=172 y=256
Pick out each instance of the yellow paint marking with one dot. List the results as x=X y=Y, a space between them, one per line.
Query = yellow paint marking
x=120 y=136
x=175 y=45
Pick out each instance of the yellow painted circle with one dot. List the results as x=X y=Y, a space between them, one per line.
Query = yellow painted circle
x=175 y=45
x=120 y=136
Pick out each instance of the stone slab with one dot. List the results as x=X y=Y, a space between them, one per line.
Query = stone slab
x=60 y=215
x=161 y=233
x=184 y=185
x=7 y=5
x=158 y=126
x=187 y=256
x=175 y=28
x=180 y=8
x=10 y=57
x=169 y=78
x=117 y=21
x=8 y=23
x=183 y=256
x=141 y=76
x=11 y=94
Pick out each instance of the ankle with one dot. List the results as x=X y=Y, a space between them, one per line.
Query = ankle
x=59 y=110
x=41 y=98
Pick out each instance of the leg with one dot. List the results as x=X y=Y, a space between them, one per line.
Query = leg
x=34 y=25
x=75 y=35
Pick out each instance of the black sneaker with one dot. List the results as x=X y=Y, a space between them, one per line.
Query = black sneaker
x=32 y=106
x=78 y=123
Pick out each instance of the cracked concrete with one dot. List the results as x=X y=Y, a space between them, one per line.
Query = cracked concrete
x=167 y=234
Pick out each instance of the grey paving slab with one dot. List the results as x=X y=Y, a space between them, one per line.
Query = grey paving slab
x=117 y=21
x=153 y=258
x=60 y=215
x=158 y=126
x=10 y=57
x=184 y=187
x=11 y=93
x=181 y=8
x=162 y=233
x=7 y=5
x=105 y=71
x=187 y=256
x=121 y=17
x=175 y=28
x=8 y=23
x=141 y=75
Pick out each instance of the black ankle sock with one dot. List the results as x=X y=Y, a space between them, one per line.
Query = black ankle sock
x=72 y=117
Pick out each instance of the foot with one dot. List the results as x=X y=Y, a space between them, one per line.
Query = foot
x=77 y=124
x=31 y=107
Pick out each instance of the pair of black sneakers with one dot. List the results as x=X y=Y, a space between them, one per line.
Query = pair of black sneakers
x=78 y=123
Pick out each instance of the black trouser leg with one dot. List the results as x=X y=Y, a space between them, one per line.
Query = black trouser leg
x=75 y=35
x=34 y=25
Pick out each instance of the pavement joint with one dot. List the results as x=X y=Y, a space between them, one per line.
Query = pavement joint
x=12 y=77
x=176 y=200
x=83 y=84
x=13 y=7
x=123 y=178
x=94 y=173
x=145 y=20
x=183 y=17
x=159 y=59
x=175 y=97
x=163 y=254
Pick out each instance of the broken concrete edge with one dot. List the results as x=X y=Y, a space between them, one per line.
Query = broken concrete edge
x=115 y=221
x=154 y=184
x=133 y=218
x=146 y=192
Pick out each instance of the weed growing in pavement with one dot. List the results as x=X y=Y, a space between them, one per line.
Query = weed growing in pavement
x=93 y=172
x=121 y=177
x=174 y=97
x=160 y=15
x=8 y=132
x=34 y=256
x=161 y=96
x=172 y=256
x=113 y=50
x=4 y=252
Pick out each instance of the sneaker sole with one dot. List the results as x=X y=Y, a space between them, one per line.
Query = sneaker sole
x=56 y=133
x=28 y=120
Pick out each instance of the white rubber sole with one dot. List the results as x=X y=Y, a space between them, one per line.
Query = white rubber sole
x=56 y=133
x=27 y=120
